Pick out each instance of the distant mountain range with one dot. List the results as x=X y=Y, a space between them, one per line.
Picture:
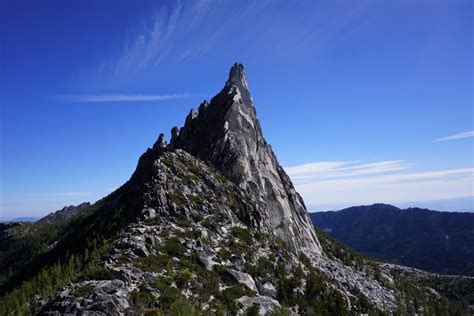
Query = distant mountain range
x=19 y=219
x=434 y=241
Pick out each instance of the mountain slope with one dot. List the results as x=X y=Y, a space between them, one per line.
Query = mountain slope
x=440 y=242
x=209 y=223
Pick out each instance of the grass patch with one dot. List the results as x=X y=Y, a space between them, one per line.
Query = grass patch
x=84 y=291
x=156 y=263
x=153 y=221
x=177 y=197
x=195 y=198
x=168 y=162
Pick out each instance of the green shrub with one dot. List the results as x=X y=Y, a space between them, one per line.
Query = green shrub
x=182 y=278
x=224 y=253
x=191 y=234
x=199 y=217
x=168 y=162
x=139 y=300
x=168 y=296
x=153 y=221
x=183 y=307
x=96 y=272
x=229 y=295
x=174 y=248
x=177 y=197
x=253 y=310
x=154 y=263
x=209 y=224
x=195 y=198
x=84 y=291
x=243 y=234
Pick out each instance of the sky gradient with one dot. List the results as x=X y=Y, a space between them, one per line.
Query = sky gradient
x=362 y=101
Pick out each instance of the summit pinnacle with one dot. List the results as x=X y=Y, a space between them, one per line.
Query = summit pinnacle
x=238 y=79
x=227 y=133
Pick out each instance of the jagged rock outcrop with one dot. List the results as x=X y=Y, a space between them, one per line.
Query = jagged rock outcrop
x=227 y=133
x=65 y=213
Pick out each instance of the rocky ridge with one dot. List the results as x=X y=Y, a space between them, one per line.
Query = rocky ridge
x=65 y=213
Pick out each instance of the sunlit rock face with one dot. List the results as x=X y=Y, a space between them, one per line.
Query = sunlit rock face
x=227 y=133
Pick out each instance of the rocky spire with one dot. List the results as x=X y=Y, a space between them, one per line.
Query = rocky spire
x=161 y=142
x=238 y=79
x=227 y=134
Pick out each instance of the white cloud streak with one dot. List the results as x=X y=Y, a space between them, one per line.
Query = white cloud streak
x=341 y=169
x=128 y=97
x=346 y=183
x=456 y=136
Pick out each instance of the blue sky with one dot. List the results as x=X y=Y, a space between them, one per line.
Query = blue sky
x=363 y=101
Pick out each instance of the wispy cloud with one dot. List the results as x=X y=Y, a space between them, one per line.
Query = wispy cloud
x=456 y=136
x=350 y=182
x=175 y=32
x=128 y=97
x=341 y=169
x=180 y=31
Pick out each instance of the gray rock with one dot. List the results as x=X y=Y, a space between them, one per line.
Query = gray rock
x=266 y=304
x=238 y=262
x=161 y=142
x=243 y=278
x=267 y=289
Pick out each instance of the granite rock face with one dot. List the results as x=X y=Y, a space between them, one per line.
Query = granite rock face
x=227 y=133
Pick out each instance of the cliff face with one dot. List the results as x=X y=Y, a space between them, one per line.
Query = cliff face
x=227 y=133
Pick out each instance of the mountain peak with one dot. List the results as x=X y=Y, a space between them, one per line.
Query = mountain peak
x=238 y=78
x=227 y=134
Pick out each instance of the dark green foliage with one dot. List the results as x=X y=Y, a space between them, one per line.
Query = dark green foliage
x=174 y=248
x=253 y=310
x=191 y=234
x=154 y=263
x=224 y=253
x=282 y=311
x=84 y=291
x=140 y=300
x=182 y=278
x=96 y=272
x=168 y=162
x=228 y=296
x=209 y=224
x=243 y=234
x=183 y=307
x=199 y=217
x=177 y=197
x=196 y=199
x=239 y=209
x=153 y=221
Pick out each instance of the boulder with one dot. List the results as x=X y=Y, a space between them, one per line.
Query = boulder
x=265 y=303
x=242 y=277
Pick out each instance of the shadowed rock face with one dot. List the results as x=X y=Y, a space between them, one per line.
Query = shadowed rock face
x=227 y=133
